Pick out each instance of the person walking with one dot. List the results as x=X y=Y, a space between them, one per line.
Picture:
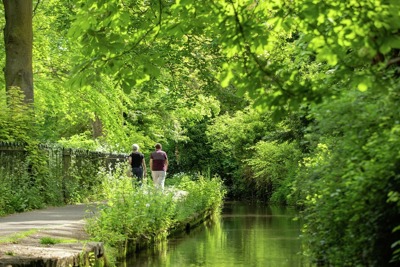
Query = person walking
x=159 y=166
x=138 y=164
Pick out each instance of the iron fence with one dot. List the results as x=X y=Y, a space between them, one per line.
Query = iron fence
x=60 y=169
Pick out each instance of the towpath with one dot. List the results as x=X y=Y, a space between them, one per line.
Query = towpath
x=21 y=235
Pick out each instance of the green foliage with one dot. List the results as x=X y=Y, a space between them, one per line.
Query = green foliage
x=146 y=214
x=347 y=196
x=18 y=124
x=244 y=144
x=80 y=141
x=273 y=166
x=48 y=176
x=83 y=178
x=54 y=241
x=230 y=136
x=202 y=194
x=132 y=214
x=159 y=84
x=18 y=198
x=16 y=237
x=49 y=241
x=17 y=119
x=194 y=148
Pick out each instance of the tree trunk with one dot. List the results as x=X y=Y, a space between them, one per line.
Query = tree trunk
x=18 y=38
x=97 y=127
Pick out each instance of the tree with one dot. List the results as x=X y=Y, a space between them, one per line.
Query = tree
x=18 y=38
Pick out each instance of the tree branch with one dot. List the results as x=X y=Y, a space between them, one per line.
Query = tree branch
x=253 y=56
x=36 y=7
x=393 y=61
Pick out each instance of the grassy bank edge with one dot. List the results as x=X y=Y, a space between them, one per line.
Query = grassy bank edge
x=139 y=219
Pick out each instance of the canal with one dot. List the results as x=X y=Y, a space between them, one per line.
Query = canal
x=244 y=234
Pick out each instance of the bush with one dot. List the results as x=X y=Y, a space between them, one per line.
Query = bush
x=273 y=166
x=202 y=194
x=347 y=182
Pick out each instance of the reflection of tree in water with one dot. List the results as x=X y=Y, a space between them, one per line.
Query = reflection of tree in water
x=245 y=234
x=257 y=231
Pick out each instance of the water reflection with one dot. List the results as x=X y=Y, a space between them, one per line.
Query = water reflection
x=244 y=235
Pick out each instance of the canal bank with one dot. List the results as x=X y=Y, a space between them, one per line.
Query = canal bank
x=56 y=237
x=128 y=221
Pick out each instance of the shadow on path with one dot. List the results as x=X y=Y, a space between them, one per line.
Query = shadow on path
x=53 y=217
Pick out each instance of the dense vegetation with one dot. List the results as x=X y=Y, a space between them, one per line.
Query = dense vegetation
x=134 y=219
x=288 y=101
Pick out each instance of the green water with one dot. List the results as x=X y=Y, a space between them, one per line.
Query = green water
x=243 y=235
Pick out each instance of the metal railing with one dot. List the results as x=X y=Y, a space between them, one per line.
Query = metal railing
x=52 y=167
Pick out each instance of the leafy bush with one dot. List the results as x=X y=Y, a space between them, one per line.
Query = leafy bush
x=202 y=194
x=131 y=214
x=346 y=183
x=230 y=137
x=48 y=176
x=17 y=119
x=273 y=166
x=17 y=194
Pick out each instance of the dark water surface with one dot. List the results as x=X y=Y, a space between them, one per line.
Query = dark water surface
x=244 y=234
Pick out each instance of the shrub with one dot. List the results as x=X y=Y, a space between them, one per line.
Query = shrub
x=273 y=166
x=348 y=182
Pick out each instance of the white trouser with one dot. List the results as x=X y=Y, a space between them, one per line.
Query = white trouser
x=159 y=178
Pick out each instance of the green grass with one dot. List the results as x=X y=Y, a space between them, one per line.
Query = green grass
x=49 y=241
x=52 y=241
x=44 y=240
x=16 y=237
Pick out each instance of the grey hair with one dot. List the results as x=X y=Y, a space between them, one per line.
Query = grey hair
x=135 y=147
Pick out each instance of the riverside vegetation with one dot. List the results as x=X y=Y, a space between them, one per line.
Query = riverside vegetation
x=134 y=218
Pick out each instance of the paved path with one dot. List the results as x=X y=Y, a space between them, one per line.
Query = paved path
x=21 y=233
x=55 y=217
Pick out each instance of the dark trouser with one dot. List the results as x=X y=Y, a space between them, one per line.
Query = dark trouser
x=138 y=173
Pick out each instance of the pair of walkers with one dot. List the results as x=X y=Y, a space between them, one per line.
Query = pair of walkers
x=158 y=165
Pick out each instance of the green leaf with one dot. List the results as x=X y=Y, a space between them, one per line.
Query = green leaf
x=362 y=87
x=389 y=43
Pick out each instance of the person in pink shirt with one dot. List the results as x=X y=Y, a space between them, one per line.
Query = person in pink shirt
x=159 y=166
